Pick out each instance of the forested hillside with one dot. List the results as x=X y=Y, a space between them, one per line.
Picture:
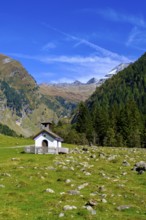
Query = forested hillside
x=115 y=115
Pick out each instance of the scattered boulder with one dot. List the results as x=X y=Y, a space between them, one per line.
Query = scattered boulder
x=90 y=209
x=82 y=186
x=125 y=163
x=68 y=181
x=93 y=156
x=104 y=200
x=140 y=167
x=91 y=203
x=102 y=155
x=61 y=215
x=6 y=174
x=49 y=190
x=101 y=188
x=15 y=159
x=112 y=157
x=85 y=149
x=2 y=186
x=73 y=192
x=123 y=207
x=69 y=207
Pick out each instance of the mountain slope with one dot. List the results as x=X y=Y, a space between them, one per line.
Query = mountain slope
x=22 y=106
x=117 y=109
x=71 y=92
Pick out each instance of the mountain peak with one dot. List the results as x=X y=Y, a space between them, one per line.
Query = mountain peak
x=92 y=80
x=77 y=83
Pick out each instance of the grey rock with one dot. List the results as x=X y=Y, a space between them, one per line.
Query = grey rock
x=61 y=215
x=91 y=203
x=101 y=188
x=89 y=208
x=87 y=173
x=123 y=207
x=15 y=159
x=49 y=190
x=104 y=200
x=73 y=192
x=113 y=157
x=68 y=181
x=93 y=156
x=125 y=163
x=83 y=186
x=6 y=174
x=2 y=186
x=140 y=167
x=68 y=207
x=102 y=155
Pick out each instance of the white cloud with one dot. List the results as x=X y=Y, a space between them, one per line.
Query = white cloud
x=70 y=68
x=102 y=51
x=117 y=16
x=79 y=67
x=137 y=38
x=48 y=46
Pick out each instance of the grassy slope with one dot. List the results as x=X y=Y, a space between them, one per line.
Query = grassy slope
x=71 y=93
x=27 y=176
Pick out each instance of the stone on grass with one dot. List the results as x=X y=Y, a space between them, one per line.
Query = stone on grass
x=2 y=186
x=73 y=192
x=87 y=173
x=112 y=157
x=61 y=215
x=101 y=188
x=123 y=207
x=68 y=181
x=125 y=163
x=91 y=202
x=89 y=208
x=15 y=159
x=83 y=186
x=104 y=200
x=69 y=207
x=102 y=155
x=49 y=190
x=6 y=174
x=140 y=167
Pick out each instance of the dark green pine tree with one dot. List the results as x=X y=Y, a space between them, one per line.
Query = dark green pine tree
x=101 y=124
x=130 y=125
x=84 y=123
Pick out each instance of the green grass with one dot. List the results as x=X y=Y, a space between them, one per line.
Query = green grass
x=8 y=141
x=28 y=176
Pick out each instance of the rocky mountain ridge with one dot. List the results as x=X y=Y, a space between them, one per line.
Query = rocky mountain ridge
x=24 y=104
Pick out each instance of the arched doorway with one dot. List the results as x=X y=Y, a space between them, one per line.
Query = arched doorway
x=44 y=143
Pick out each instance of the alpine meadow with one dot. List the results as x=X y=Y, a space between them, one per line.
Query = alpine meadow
x=73 y=110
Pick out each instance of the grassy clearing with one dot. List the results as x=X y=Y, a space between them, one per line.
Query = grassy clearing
x=7 y=141
x=25 y=177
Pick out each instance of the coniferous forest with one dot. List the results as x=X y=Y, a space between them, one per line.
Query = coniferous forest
x=115 y=115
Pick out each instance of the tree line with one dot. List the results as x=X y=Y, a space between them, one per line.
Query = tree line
x=115 y=115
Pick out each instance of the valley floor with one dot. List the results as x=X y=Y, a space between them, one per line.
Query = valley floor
x=88 y=183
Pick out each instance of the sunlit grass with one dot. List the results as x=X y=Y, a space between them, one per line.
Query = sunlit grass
x=25 y=177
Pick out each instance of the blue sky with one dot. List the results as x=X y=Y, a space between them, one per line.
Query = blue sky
x=67 y=40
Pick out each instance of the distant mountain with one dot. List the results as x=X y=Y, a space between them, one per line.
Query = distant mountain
x=92 y=81
x=77 y=83
x=22 y=105
x=72 y=92
x=114 y=71
x=77 y=91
